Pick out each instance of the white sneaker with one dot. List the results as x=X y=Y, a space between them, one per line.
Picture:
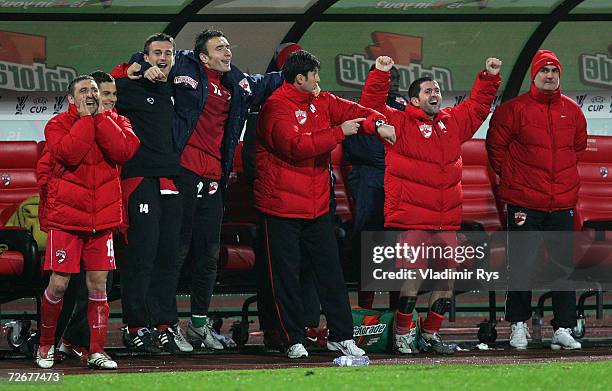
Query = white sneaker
x=227 y=342
x=406 y=343
x=101 y=360
x=297 y=351
x=202 y=336
x=520 y=333
x=44 y=356
x=179 y=339
x=347 y=347
x=563 y=339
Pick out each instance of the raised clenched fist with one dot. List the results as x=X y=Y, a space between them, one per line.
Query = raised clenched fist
x=493 y=65
x=384 y=63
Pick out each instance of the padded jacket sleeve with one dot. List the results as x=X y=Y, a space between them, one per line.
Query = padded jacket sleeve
x=115 y=137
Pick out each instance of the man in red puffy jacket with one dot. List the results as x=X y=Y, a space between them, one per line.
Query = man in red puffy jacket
x=534 y=142
x=295 y=136
x=86 y=144
x=423 y=194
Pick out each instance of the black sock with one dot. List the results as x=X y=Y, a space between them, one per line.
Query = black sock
x=440 y=306
x=406 y=304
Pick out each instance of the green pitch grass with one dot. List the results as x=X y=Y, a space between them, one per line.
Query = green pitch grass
x=547 y=376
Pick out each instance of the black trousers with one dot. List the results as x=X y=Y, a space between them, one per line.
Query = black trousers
x=72 y=322
x=266 y=307
x=200 y=235
x=284 y=240
x=523 y=254
x=149 y=272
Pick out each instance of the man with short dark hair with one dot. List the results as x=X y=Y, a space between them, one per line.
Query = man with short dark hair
x=75 y=338
x=82 y=193
x=423 y=195
x=295 y=136
x=212 y=98
x=153 y=207
x=534 y=142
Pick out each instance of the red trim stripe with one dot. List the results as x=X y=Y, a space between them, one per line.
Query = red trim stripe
x=272 y=281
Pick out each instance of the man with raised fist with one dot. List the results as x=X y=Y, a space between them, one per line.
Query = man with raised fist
x=423 y=195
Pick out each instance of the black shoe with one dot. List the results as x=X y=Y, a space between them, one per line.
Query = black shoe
x=166 y=339
x=142 y=341
x=125 y=338
x=273 y=341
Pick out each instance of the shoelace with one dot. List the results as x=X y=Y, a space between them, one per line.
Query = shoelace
x=178 y=335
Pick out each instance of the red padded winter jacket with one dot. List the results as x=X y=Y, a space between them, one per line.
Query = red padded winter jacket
x=83 y=191
x=423 y=174
x=534 y=142
x=296 y=133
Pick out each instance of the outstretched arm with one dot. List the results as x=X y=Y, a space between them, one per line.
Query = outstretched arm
x=376 y=89
x=372 y=122
x=260 y=86
x=279 y=131
x=471 y=113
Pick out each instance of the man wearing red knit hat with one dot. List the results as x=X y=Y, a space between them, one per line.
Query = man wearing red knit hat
x=534 y=142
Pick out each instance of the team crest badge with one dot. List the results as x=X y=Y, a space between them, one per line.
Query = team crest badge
x=60 y=255
x=244 y=84
x=603 y=172
x=426 y=130
x=190 y=81
x=212 y=187
x=301 y=116
x=5 y=178
x=520 y=218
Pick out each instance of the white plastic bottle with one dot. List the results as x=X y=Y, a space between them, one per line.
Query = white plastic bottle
x=352 y=361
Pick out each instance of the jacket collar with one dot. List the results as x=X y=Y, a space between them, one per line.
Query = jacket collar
x=541 y=97
x=294 y=94
x=419 y=114
x=211 y=74
x=72 y=110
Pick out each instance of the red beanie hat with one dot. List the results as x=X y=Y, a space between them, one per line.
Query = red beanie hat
x=283 y=51
x=542 y=59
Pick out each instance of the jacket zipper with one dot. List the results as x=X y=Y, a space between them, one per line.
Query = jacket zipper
x=553 y=148
x=93 y=196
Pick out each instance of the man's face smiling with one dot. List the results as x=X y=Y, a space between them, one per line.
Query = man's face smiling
x=219 y=57
x=108 y=95
x=88 y=90
x=430 y=98
x=161 y=55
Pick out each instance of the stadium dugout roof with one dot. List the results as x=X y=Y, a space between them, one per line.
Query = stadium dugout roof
x=56 y=39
